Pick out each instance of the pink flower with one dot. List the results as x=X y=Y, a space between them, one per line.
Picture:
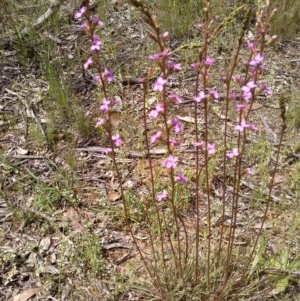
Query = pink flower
x=157 y=56
x=240 y=106
x=106 y=150
x=177 y=125
x=88 y=63
x=117 y=140
x=251 y=45
x=243 y=125
x=162 y=196
x=181 y=178
x=96 y=46
x=211 y=148
x=84 y=25
x=80 y=13
x=265 y=88
x=196 y=66
x=233 y=95
x=199 y=143
x=159 y=84
x=253 y=127
x=109 y=75
x=170 y=162
x=165 y=35
x=233 y=153
x=176 y=98
x=235 y=78
x=158 y=109
x=200 y=97
x=257 y=60
x=100 y=122
x=96 y=43
x=174 y=142
x=97 y=21
x=209 y=61
x=214 y=94
x=105 y=105
x=174 y=66
x=251 y=85
x=247 y=90
x=156 y=136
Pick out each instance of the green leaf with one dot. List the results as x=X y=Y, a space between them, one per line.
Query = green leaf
x=282 y=285
x=285 y=258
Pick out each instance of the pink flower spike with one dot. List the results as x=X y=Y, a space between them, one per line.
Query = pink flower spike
x=105 y=105
x=211 y=148
x=100 y=122
x=117 y=140
x=159 y=84
x=209 y=61
x=88 y=63
x=200 y=97
x=109 y=75
x=170 y=162
x=176 y=98
x=80 y=13
x=181 y=178
x=233 y=153
x=156 y=136
x=162 y=196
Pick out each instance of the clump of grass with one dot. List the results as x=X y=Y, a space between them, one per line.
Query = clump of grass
x=293 y=109
x=286 y=22
x=170 y=11
x=186 y=258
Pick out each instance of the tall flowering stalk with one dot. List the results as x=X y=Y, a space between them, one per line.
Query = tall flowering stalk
x=90 y=24
x=241 y=84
